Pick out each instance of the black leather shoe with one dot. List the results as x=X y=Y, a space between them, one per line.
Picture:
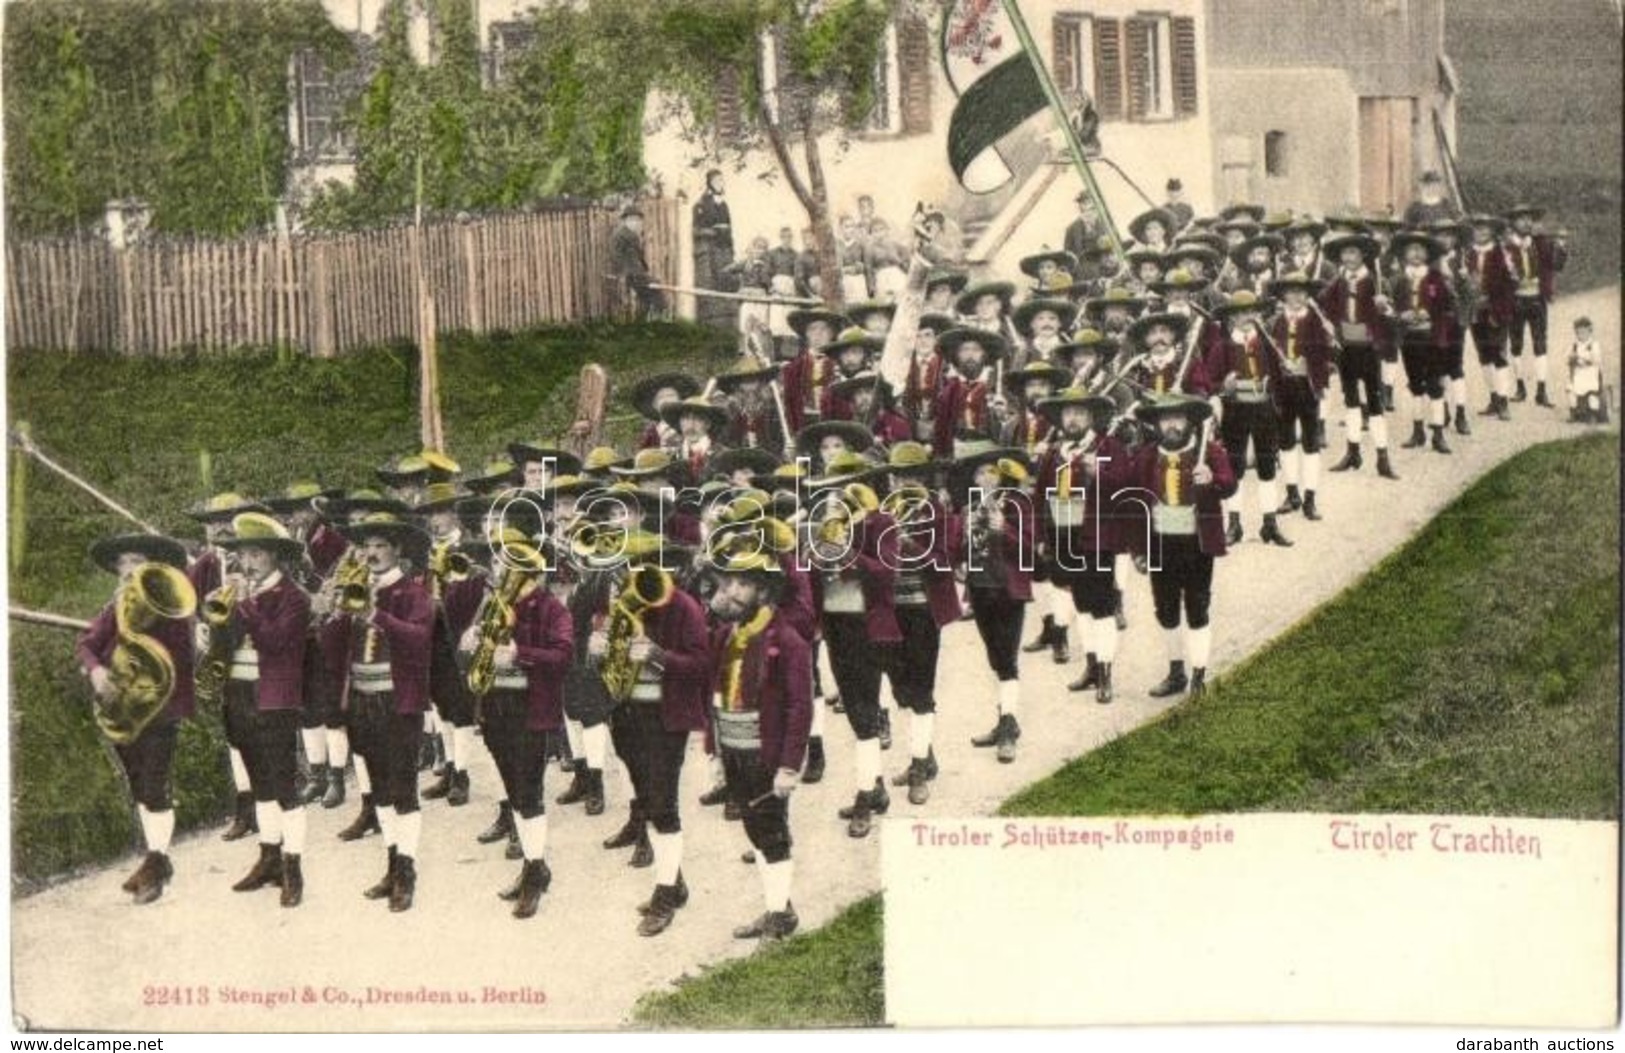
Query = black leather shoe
x=1310 y=511
x=1439 y=445
x=1351 y=461
x=1042 y=640
x=814 y=770
x=1418 y=437
x=1271 y=533
x=1385 y=467
x=1172 y=684
x=499 y=827
x=1090 y=677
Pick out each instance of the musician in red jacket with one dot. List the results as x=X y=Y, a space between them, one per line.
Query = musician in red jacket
x=1077 y=536
x=379 y=643
x=650 y=395
x=149 y=757
x=992 y=535
x=853 y=556
x=524 y=702
x=1350 y=300
x=1247 y=366
x=927 y=601
x=802 y=378
x=764 y=689
x=1488 y=308
x=666 y=661
x=1304 y=338
x=1533 y=259
x=1424 y=314
x=1160 y=357
x=1181 y=481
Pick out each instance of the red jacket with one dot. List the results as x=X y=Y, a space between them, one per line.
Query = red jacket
x=797 y=608
x=922 y=545
x=890 y=427
x=204 y=573
x=1250 y=360
x=326 y=547
x=1344 y=302
x=1431 y=294
x=1099 y=531
x=405 y=614
x=777 y=685
x=96 y=644
x=803 y=379
x=1541 y=259
x=1306 y=337
x=962 y=405
x=873 y=560
x=679 y=630
x=1493 y=286
x=1161 y=379
x=1015 y=546
x=1137 y=483
x=278 y=621
x=545 y=639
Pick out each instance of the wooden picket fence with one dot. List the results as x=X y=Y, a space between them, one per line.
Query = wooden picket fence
x=324 y=294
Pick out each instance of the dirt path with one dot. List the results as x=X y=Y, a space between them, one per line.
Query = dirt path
x=84 y=958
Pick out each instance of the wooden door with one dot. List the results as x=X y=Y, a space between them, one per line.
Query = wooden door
x=1387 y=137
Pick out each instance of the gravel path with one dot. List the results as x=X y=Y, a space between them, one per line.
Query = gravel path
x=205 y=958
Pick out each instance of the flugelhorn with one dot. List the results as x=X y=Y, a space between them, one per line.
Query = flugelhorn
x=647 y=588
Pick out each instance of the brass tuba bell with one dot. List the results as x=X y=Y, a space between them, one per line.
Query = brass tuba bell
x=142 y=669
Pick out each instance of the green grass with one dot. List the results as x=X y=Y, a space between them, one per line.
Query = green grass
x=1475 y=670
x=136 y=427
x=829 y=978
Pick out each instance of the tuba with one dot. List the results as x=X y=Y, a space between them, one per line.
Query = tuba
x=647 y=588
x=142 y=669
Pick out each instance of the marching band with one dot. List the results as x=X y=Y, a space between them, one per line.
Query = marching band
x=794 y=536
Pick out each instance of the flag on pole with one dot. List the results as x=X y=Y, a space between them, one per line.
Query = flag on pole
x=998 y=88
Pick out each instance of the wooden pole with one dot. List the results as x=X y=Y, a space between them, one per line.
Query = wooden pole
x=430 y=427
x=58 y=621
x=21 y=439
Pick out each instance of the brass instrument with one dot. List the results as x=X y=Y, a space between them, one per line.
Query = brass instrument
x=647 y=588
x=908 y=504
x=595 y=541
x=447 y=565
x=496 y=625
x=352 y=585
x=841 y=517
x=764 y=534
x=215 y=662
x=142 y=669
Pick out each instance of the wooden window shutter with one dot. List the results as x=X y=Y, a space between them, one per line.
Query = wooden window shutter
x=1137 y=64
x=729 y=118
x=914 y=73
x=1109 y=69
x=1184 y=62
x=1066 y=56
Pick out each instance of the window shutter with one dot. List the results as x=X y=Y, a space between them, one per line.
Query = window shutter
x=1062 y=32
x=914 y=73
x=729 y=122
x=1184 y=33
x=1109 y=69
x=1138 y=62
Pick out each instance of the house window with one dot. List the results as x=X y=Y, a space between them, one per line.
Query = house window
x=1150 y=67
x=319 y=103
x=884 y=117
x=508 y=41
x=1144 y=67
x=1074 y=46
x=1275 y=154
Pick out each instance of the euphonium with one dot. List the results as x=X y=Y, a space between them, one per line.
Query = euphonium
x=647 y=588
x=142 y=669
x=497 y=620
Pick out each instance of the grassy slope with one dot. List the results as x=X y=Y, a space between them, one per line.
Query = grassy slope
x=1476 y=670
x=136 y=427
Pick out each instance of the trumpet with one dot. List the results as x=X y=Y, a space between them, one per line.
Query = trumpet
x=209 y=680
x=352 y=586
x=142 y=669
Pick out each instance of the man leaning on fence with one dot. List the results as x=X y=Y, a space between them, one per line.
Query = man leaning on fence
x=630 y=264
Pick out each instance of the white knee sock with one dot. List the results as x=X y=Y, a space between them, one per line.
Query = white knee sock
x=408 y=828
x=1390 y=373
x=1290 y=467
x=363 y=778
x=1174 y=640
x=431 y=722
x=1542 y=368
x=1311 y=472
x=826 y=672
x=668 y=852
x=1458 y=391
x=1009 y=698
x=595 y=745
x=1352 y=423
x=157 y=828
x=920 y=727
x=1269 y=497
x=1503 y=381
x=388 y=826
x=1060 y=605
x=532 y=836
x=1379 y=431
x=866 y=764
x=464 y=738
x=888 y=701
x=1419 y=408
x=315 y=740
x=572 y=734
x=776 y=880
x=818 y=709
x=1489 y=378
x=1436 y=415
x=293 y=830
x=448 y=740
x=1201 y=646
x=269 y=816
x=1105 y=638
x=338 y=747
x=239 y=771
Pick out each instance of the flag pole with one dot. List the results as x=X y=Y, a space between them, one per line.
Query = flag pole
x=1074 y=146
